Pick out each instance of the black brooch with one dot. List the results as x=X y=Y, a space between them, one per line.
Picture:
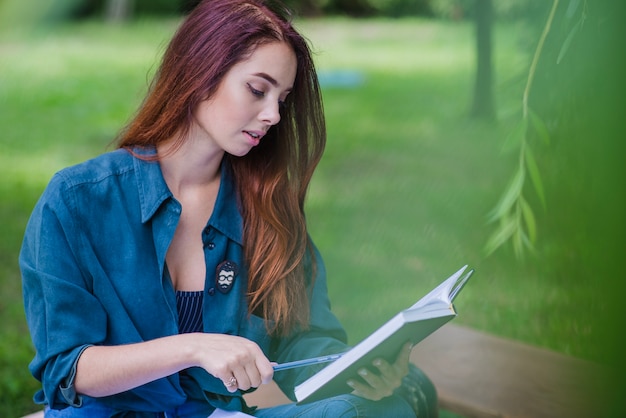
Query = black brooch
x=225 y=276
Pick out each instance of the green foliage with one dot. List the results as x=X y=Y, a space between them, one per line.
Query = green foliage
x=505 y=10
x=396 y=8
x=307 y=7
x=513 y=212
x=577 y=90
x=571 y=12
x=452 y=9
x=515 y=215
x=16 y=13
x=144 y=7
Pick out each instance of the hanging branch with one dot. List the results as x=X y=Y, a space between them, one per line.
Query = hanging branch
x=515 y=216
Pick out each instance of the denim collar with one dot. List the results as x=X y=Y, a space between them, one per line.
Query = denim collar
x=153 y=192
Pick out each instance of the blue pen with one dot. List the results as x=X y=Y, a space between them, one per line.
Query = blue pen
x=307 y=362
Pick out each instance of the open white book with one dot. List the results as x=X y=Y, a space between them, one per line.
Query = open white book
x=412 y=324
x=220 y=413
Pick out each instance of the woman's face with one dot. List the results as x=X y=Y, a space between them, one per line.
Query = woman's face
x=247 y=102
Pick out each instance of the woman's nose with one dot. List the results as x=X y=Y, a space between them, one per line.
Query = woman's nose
x=270 y=113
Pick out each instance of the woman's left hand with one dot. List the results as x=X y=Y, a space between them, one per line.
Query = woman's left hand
x=379 y=385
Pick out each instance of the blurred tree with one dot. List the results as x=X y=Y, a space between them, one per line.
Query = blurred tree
x=307 y=7
x=118 y=10
x=503 y=10
x=398 y=8
x=483 y=104
x=356 y=8
x=187 y=5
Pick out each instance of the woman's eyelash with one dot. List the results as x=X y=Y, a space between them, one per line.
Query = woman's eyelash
x=256 y=92
x=259 y=93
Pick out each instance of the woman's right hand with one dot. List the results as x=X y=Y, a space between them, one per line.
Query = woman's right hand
x=108 y=370
x=227 y=357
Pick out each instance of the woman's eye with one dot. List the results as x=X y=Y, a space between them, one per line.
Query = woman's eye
x=256 y=92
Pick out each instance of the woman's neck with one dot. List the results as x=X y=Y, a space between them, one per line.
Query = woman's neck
x=190 y=166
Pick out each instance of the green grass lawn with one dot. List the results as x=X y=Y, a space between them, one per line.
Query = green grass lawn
x=398 y=203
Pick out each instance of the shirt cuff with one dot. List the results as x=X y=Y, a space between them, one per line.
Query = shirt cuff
x=67 y=388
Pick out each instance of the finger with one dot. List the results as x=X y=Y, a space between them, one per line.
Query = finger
x=253 y=376
x=393 y=374
x=259 y=369
x=243 y=378
x=231 y=384
x=390 y=374
x=254 y=369
x=364 y=391
x=401 y=362
x=266 y=370
x=404 y=357
x=372 y=379
x=401 y=365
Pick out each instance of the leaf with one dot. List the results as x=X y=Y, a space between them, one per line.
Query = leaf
x=516 y=136
x=539 y=126
x=571 y=9
x=500 y=235
x=529 y=220
x=518 y=242
x=529 y=245
x=509 y=197
x=535 y=176
x=568 y=40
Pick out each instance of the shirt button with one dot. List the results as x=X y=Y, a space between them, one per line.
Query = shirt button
x=211 y=291
x=209 y=245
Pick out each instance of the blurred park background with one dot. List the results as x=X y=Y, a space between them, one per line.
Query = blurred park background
x=476 y=132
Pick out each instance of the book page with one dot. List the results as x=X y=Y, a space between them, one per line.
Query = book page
x=442 y=292
x=460 y=283
x=220 y=413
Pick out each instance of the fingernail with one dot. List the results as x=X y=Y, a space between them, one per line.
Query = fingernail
x=377 y=362
x=350 y=383
x=363 y=372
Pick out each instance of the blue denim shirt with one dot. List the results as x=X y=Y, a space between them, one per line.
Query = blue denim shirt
x=92 y=264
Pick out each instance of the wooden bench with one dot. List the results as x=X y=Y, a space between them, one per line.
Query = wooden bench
x=478 y=375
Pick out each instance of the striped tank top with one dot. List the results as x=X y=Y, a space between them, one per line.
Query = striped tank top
x=189 y=306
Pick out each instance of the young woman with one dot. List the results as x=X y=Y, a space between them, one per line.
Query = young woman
x=164 y=278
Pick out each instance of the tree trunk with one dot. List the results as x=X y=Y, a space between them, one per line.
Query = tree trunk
x=483 y=106
x=118 y=10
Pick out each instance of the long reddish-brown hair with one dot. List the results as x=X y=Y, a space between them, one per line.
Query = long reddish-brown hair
x=273 y=178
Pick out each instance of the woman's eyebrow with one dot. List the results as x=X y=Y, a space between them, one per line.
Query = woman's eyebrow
x=270 y=79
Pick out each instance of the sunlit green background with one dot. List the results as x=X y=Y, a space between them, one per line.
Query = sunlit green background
x=401 y=198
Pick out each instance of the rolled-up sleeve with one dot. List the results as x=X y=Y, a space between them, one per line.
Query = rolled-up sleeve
x=63 y=315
